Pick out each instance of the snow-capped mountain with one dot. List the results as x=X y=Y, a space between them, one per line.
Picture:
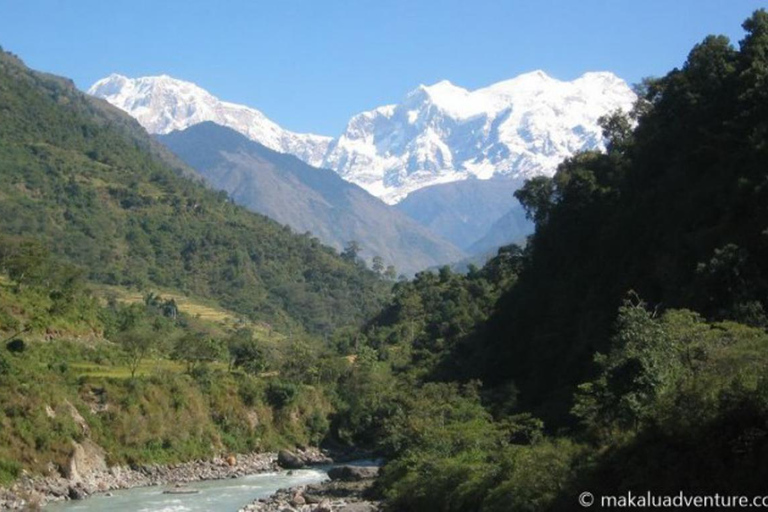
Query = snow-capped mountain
x=441 y=133
x=163 y=104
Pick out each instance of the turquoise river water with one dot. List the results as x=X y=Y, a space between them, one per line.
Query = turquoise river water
x=215 y=495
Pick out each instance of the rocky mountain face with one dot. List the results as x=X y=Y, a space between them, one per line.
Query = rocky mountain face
x=308 y=199
x=511 y=228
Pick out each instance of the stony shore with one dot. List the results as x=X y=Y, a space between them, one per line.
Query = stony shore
x=88 y=474
x=347 y=491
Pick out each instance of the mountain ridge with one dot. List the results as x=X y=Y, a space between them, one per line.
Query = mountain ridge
x=441 y=133
x=163 y=104
x=464 y=212
x=319 y=201
x=520 y=128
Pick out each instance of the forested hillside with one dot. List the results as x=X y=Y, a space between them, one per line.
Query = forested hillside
x=627 y=350
x=623 y=349
x=87 y=181
x=117 y=267
x=160 y=379
x=674 y=212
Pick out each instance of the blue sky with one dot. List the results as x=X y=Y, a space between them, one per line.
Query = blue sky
x=310 y=65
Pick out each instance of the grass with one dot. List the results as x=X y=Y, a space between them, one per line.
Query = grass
x=194 y=307
x=146 y=368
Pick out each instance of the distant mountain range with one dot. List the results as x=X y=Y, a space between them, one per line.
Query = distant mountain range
x=443 y=133
x=438 y=134
x=308 y=199
x=450 y=157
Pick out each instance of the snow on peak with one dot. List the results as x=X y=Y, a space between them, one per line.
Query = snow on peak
x=520 y=127
x=448 y=97
x=438 y=133
x=535 y=76
x=605 y=76
x=443 y=88
x=163 y=104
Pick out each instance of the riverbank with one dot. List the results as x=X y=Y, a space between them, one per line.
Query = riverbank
x=348 y=490
x=87 y=474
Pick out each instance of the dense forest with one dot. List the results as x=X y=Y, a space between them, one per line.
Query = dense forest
x=675 y=212
x=624 y=348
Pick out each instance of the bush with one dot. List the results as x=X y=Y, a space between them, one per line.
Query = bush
x=317 y=425
x=534 y=476
x=16 y=346
x=281 y=394
x=203 y=375
x=9 y=471
x=249 y=391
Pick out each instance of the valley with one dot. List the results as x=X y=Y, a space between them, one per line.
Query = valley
x=507 y=295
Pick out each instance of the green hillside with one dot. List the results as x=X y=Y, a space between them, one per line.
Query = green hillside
x=624 y=350
x=148 y=380
x=94 y=188
x=675 y=213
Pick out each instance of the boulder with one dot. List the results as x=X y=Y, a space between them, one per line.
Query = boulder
x=363 y=506
x=314 y=456
x=298 y=500
x=353 y=473
x=324 y=506
x=289 y=460
x=312 y=499
x=76 y=493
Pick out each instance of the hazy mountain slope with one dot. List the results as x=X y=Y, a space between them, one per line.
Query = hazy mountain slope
x=511 y=228
x=463 y=212
x=307 y=199
x=438 y=134
x=87 y=181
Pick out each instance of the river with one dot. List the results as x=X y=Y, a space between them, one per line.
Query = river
x=226 y=495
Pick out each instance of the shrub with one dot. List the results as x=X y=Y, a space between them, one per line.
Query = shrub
x=281 y=394
x=318 y=426
x=16 y=346
x=9 y=471
x=249 y=391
